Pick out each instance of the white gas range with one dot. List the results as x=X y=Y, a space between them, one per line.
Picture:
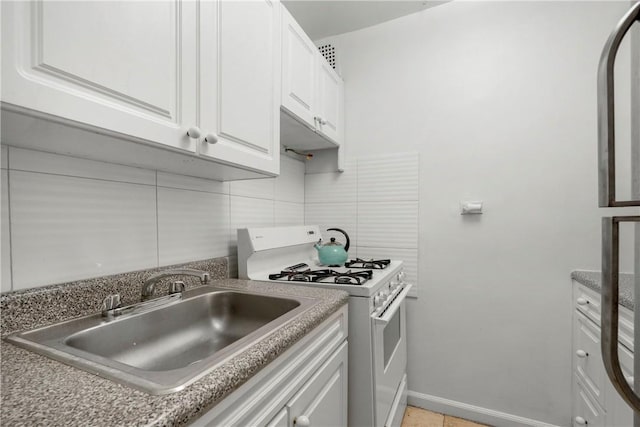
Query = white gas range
x=377 y=313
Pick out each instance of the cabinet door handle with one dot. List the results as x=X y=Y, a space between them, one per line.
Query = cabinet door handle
x=581 y=421
x=211 y=138
x=302 y=421
x=581 y=354
x=582 y=301
x=194 y=132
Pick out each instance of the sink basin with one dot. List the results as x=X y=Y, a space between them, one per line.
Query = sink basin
x=168 y=347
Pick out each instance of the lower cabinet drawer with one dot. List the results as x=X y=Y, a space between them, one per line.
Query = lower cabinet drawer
x=588 y=359
x=586 y=410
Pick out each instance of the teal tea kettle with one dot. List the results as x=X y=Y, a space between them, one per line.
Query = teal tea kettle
x=333 y=253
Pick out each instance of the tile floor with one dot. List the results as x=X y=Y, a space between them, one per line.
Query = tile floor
x=416 y=417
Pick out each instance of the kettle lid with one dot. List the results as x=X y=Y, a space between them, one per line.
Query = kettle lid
x=332 y=242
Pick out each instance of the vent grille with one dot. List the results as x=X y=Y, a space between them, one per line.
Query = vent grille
x=329 y=53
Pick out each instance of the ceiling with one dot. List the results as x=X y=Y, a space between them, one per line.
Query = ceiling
x=323 y=18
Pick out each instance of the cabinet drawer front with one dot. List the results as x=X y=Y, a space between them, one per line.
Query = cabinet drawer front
x=280 y=420
x=588 y=359
x=586 y=411
x=588 y=303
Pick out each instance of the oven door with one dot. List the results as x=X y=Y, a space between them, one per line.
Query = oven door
x=389 y=354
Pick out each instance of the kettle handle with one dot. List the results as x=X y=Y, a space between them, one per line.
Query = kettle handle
x=346 y=247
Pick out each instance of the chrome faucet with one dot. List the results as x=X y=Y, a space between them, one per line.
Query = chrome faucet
x=149 y=285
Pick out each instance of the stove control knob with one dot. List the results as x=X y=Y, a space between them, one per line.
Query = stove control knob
x=377 y=301
x=401 y=276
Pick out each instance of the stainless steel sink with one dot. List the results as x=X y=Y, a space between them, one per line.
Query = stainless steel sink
x=163 y=350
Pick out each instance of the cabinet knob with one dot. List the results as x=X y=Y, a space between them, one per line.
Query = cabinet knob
x=211 y=138
x=194 y=132
x=581 y=421
x=302 y=421
x=320 y=120
x=630 y=380
x=582 y=301
x=581 y=354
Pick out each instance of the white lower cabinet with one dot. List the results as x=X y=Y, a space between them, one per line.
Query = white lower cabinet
x=323 y=399
x=305 y=386
x=586 y=410
x=595 y=401
x=280 y=420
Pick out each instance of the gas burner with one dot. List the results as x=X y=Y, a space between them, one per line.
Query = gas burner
x=376 y=264
x=325 y=276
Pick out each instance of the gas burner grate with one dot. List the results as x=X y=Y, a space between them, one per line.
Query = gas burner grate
x=325 y=276
x=376 y=264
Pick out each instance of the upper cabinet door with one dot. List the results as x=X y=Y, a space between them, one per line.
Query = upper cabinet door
x=125 y=66
x=240 y=77
x=298 y=71
x=330 y=101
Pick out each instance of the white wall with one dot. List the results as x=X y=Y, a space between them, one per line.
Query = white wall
x=499 y=100
x=67 y=219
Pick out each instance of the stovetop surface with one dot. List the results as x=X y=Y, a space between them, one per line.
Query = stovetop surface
x=376 y=278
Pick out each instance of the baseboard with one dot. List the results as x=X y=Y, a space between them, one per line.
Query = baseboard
x=470 y=412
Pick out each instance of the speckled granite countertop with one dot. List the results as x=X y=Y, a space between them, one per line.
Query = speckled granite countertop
x=591 y=279
x=37 y=390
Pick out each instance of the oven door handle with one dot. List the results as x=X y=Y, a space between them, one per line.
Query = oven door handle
x=391 y=310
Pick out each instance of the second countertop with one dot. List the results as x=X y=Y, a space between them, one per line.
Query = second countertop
x=593 y=281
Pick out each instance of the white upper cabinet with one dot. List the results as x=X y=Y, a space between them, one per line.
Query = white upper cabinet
x=240 y=74
x=312 y=92
x=330 y=101
x=145 y=73
x=299 y=71
x=129 y=67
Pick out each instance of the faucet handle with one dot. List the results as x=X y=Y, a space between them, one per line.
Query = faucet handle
x=111 y=302
x=176 y=287
x=206 y=277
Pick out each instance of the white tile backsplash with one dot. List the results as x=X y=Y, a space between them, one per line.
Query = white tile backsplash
x=73 y=218
x=5 y=254
x=389 y=178
x=4 y=157
x=66 y=228
x=250 y=212
x=388 y=224
x=192 y=225
x=331 y=187
x=333 y=215
x=39 y=161
x=289 y=186
x=183 y=182
x=376 y=201
x=256 y=188
x=289 y=213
